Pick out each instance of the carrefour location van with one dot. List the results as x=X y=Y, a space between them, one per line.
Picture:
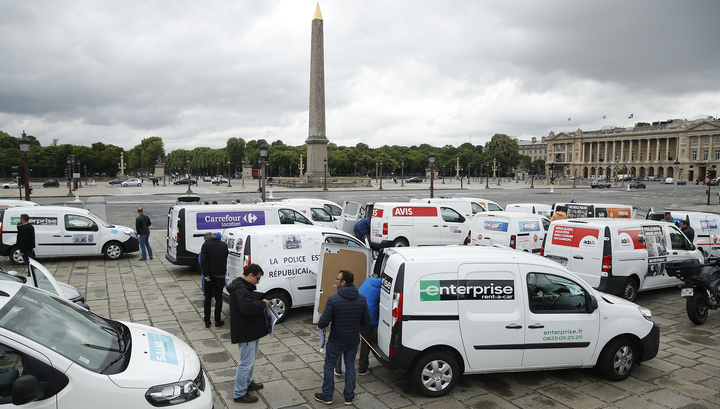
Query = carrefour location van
x=448 y=311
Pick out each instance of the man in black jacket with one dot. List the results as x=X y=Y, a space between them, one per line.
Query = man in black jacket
x=26 y=239
x=347 y=311
x=213 y=262
x=247 y=326
x=142 y=226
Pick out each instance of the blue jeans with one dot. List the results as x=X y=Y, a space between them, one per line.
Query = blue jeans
x=27 y=255
x=332 y=354
x=244 y=375
x=143 y=245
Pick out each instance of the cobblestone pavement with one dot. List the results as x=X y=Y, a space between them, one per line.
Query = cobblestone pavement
x=154 y=292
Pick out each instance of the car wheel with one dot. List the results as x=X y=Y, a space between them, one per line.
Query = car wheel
x=15 y=256
x=617 y=359
x=280 y=304
x=113 y=250
x=630 y=289
x=6 y=187
x=139 y=184
x=435 y=374
x=400 y=242
x=697 y=309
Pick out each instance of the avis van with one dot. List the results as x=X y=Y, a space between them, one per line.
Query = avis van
x=619 y=257
x=448 y=311
x=188 y=223
x=66 y=231
x=288 y=254
x=521 y=231
x=415 y=224
x=466 y=206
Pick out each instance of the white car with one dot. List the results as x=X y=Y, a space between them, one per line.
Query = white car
x=669 y=181
x=13 y=184
x=58 y=355
x=131 y=182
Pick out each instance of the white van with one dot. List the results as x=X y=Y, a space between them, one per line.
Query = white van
x=17 y=203
x=66 y=231
x=619 y=257
x=445 y=311
x=331 y=207
x=58 y=355
x=466 y=206
x=399 y=224
x=520 y=231
x=583 y=210
x=188 y=224
x=705 y=225
x=288 y=254
x=312 y=211
x=535 y=208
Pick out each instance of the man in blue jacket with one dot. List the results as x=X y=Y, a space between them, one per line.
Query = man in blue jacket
x=370 y=289
x=347 y=311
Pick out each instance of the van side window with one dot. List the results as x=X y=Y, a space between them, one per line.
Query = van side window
x=477 y=208
x=289 y=216
x=551 y=294
x=75 y=222
x=493 y=207
x=677 y=239
x=320 y=215
x=342 y=240
x=546 y=224
x=450 y=215
x=333 y=210
x=11 y=367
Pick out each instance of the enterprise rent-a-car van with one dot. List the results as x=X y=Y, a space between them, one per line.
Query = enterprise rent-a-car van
x=447 y=311
x=188 y=224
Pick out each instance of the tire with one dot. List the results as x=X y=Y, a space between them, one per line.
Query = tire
x=400 y=242
x=435 y=374
x=617 y=359
x=630 y=289
x=280 y=303
x=697 y=309
x=15 y=256
x=113 y=250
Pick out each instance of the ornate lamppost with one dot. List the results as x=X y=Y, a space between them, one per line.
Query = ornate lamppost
x=431 y=158
x=189 y=179
x=487 y=175
x=402 y=174
x=263 y=158
x=69 y=172
x=355 y=169
x=674 y=204
x=469 y=169
x=229 y=178
x=217 y=172
x=574 y=178
x=381 y=175
x=25 y=148
x=552 y=176
x=325 y=177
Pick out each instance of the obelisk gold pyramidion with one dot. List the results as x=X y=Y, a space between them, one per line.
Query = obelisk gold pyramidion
x=317 y=141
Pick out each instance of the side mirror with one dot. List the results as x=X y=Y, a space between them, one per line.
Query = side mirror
x=27 y=389
x=593 y=304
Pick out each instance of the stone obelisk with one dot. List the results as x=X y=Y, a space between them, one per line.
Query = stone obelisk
x=317 y=141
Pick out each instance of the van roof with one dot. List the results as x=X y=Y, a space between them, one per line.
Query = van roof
x=602 y=222
x=389 y=204
x=508 y=215
x=283 y=229
x=461 y=254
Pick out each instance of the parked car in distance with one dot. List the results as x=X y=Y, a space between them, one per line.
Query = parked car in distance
x=184 y=181
x=414 y=180
x=51 y=182
x=637 y=185
x=713 y=182
x=218 y=182
x=131 y=182
x=117 y=181
x=681 y=182
x=669 y=181
x=207 y=179
x=600 y=183
x=13 y=184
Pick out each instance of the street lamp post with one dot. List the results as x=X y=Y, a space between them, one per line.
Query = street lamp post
x=263 y=159
x=469 y=173
x=355 y=169
x=242 y=174
x=552 y=176
x=431 y=158
x=325 y=177
x=229 y=178
x=217 y=172
x=675 y=205
x=487 y=175
x=381 y=175
x=376 y=172
x=69 y=172
x=189 y=179
x=402 y=170
x=574 y=178
x=24 y=148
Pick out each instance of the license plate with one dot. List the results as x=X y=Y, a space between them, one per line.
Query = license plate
x=686 y=292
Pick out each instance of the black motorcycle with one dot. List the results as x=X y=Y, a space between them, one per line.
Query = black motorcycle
x=701 y=286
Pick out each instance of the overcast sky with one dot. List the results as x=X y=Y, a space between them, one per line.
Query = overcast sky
x=400 y=72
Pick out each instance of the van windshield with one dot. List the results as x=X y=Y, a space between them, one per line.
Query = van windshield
x=477 y=208
x=101 y=220
x=75 y=333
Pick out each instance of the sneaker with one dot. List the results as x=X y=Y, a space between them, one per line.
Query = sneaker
x=349 y=401
x=150 y=257
x=367 y=372
x=319 y=398
x=246 y=398
x=338 y=374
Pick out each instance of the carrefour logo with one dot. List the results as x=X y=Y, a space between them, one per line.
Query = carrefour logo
x=495 y=226
x=447 y=290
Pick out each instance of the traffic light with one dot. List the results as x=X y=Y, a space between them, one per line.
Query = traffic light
x=16 y=174
x=709 y=174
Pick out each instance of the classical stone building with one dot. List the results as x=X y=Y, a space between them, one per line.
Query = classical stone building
x=533 y=148
x=642 y=151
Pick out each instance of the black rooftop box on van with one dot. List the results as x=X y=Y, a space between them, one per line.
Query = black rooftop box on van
x=683 y=268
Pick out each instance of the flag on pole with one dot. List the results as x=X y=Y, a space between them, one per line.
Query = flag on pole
x=631 y=116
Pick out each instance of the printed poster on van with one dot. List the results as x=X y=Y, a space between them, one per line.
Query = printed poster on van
x=656 y=249
x=291 y=264
x=576 y=211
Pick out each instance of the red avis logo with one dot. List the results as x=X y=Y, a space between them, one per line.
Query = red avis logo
x=409 y=211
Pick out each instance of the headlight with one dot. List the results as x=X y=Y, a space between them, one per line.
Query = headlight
x=647 y=314
x=172 y=393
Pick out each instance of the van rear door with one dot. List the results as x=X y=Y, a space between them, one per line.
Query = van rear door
x=333 y=258
x=350 y=215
